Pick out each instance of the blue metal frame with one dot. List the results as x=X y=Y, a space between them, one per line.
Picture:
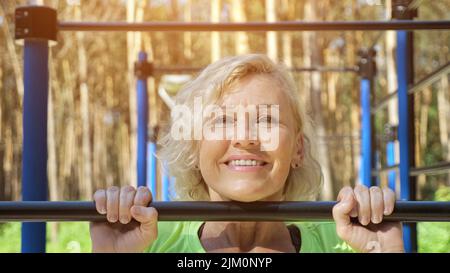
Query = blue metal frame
x=390 y=158
x=34 y=161
x=142 y=123
x=151 y=167
x=165 y=185
x=366 y=134
x=403 y=126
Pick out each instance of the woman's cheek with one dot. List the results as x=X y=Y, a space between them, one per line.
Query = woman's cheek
x=282 y=156
x=210 y=152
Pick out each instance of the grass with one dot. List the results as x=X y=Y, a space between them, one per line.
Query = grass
x=73 y=237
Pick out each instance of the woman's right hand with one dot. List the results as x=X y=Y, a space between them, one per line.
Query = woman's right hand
x=120 y=233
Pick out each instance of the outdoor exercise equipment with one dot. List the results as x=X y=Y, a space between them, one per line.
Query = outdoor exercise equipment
x=37 y=27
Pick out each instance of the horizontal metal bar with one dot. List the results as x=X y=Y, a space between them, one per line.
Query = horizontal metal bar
x=383 y=102
x=175 y=69
x=377 y=172
x=255 y=26
x=187 y=69
x=324 y=69
x=439 y=168
x=334 y=137
x=42 y=211
x=429 y=79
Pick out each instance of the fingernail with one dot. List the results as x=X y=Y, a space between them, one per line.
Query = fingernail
x=113 y=218
x=365 y=221
x=102 y=210
x=124 y=219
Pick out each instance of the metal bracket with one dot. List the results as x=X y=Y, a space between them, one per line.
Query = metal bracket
x=401 y=10
x=153 y=133
x=390 y=132
x=367 y=65
x=143 y=69
x=36 y=22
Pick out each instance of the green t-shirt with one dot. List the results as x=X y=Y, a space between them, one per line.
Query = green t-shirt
x=182 y=237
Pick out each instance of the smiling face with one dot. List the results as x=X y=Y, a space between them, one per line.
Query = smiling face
x=239 y=169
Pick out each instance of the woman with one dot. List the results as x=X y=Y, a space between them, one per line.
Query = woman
x=244 y=169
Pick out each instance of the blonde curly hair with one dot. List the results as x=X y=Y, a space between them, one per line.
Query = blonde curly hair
x=181 y=156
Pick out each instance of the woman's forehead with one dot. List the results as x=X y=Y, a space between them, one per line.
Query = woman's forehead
x=255 y=90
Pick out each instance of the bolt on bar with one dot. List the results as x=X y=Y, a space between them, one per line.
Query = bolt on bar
x=405 y=211
x=255 y=26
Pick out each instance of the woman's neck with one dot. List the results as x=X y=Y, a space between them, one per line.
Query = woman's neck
x=246 y=236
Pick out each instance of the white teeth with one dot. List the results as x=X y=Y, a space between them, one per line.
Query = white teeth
x=248 y=162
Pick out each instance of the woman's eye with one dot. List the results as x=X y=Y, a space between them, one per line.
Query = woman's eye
x=265 y=119
x=223 y=120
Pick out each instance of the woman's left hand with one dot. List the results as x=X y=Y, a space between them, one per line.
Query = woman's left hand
x=370 y=233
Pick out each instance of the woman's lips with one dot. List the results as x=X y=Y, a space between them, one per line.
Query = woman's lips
x=238 y=166
x=245 y=168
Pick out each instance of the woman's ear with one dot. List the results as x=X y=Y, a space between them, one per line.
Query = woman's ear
x=299 y=155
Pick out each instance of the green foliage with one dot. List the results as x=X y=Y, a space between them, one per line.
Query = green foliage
x=435 y=237
x=71 y=238
x=10 y=238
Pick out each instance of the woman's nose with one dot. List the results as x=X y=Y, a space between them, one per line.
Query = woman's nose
x=245 y=143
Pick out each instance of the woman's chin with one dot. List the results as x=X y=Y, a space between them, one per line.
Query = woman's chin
x=247 y=196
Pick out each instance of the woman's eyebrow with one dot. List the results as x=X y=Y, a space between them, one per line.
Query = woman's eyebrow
x=267 y=104
x=258 y=105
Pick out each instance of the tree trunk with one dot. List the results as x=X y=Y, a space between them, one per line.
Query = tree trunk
x=68 y=156
x=391 y=77
x=423 y=117
x=13 y=58
x=86 y=180
x=289 y=13
x=154 y=113
x=133 y=45
x=271 y=36
x=444 y=118
x=312 y=57
x=215 y=36
x=354 y=38
x=187 y=36
x=52 y=164
x=238 y=15
x=2 y=142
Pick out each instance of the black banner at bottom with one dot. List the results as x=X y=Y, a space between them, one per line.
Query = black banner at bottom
x=217 y=262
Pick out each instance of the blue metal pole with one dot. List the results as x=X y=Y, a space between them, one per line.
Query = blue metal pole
x=165 y=185
x=403 y=126
x=151 y=167
x=376 y=163
x=142 y=109
x=366 y=132
x=390 y=158
x=34 y=161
